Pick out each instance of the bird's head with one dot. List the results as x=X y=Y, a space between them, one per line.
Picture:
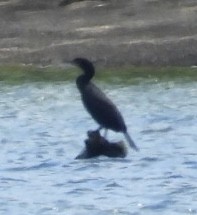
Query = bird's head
x=85 y=65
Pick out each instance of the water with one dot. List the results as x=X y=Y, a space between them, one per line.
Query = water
x=43 y=125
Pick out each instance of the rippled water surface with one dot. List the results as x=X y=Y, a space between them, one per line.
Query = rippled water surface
x=42 y=129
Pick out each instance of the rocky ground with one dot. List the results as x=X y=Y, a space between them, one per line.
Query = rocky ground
x=111 y=32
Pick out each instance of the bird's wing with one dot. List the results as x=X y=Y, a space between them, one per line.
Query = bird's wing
x=102 y=108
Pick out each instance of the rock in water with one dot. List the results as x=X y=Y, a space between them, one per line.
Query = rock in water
x=96 y=145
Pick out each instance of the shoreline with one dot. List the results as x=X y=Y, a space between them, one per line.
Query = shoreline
x=19 y=73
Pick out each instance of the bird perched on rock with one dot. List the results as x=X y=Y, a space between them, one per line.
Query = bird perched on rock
x=100 y=107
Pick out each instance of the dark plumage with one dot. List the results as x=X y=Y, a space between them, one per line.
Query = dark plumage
x=96 y=102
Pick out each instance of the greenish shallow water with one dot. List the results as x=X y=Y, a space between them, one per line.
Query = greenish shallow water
x=43 y=125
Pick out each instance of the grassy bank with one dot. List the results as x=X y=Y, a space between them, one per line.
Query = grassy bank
x=19 y=73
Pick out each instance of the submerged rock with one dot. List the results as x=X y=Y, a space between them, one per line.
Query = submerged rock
x=96 y=145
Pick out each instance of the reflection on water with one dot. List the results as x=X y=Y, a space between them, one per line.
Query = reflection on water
x=43 y=125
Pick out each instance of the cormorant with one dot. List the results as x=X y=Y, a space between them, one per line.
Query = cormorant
x=100 y=107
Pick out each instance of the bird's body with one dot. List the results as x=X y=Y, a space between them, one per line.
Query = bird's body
x=100 y=107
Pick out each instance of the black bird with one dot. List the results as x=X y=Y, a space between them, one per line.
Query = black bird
x=100 y=107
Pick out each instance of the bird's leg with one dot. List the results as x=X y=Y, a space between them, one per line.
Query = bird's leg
x=105 y=133
x=99 y=128
x=93 y=131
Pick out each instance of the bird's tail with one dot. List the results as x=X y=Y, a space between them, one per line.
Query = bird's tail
x=131 y=142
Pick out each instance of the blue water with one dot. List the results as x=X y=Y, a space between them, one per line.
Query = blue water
x=42 y=129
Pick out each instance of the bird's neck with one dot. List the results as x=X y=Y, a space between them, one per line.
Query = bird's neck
x=88 y=72
x=82 y=81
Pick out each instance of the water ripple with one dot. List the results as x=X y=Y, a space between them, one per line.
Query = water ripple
x=157 y=130
x=43 y=127
x=33 y=167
